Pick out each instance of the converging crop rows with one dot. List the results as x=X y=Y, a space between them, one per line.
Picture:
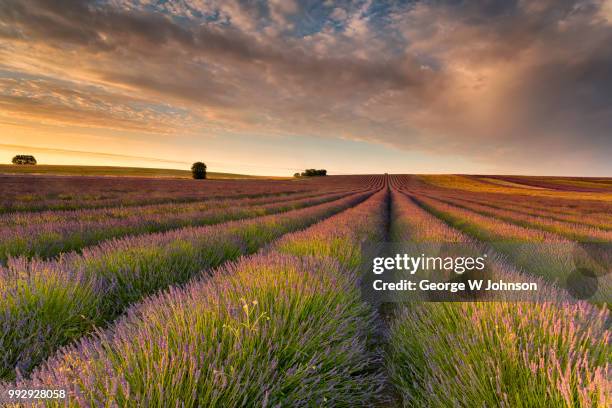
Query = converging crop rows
x=240 y=302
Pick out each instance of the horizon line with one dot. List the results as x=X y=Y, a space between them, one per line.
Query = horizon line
x=158 y=160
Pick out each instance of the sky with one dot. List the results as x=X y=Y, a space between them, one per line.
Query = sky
x=273 y=87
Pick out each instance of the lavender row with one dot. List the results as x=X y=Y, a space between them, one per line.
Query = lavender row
x=45 y=305
x=36 y=193
x=553 y=353
x=170 y=208
x=28 y=193
x=601 y=220
x=537 y=252
x=57 y=235
x=560 y=205
x=571 y=230
x=285 y=327
x=340 y=237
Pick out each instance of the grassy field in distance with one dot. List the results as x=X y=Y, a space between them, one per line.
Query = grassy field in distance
x=518 y=185
x=72 y=170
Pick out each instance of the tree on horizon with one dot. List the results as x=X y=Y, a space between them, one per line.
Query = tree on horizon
x=198 y=170
x=314 y=173
x=24 y=159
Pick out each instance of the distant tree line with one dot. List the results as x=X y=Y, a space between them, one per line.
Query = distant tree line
x=24 y=159
x=311 y=173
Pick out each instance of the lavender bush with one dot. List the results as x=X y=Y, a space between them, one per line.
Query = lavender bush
x=269 y=330
x=57 y=301
x=51 y=233
x=37 y=193
x=553 y=353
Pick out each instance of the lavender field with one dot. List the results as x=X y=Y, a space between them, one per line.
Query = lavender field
x=246 y=293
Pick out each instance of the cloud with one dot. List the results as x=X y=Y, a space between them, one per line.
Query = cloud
x=64 y=103
x=489 y=80
x=339 y=14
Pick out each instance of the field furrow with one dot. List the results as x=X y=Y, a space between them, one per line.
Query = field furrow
x=54 y=234
x=58 y=301
x=285 y=327
x=553 y=353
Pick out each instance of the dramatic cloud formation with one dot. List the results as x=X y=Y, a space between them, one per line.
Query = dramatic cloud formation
x=516 y=86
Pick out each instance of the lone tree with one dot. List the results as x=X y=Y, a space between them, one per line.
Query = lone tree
x=24 y=159
x=198 y=170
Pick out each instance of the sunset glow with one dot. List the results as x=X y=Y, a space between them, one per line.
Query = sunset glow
x=273 y=87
